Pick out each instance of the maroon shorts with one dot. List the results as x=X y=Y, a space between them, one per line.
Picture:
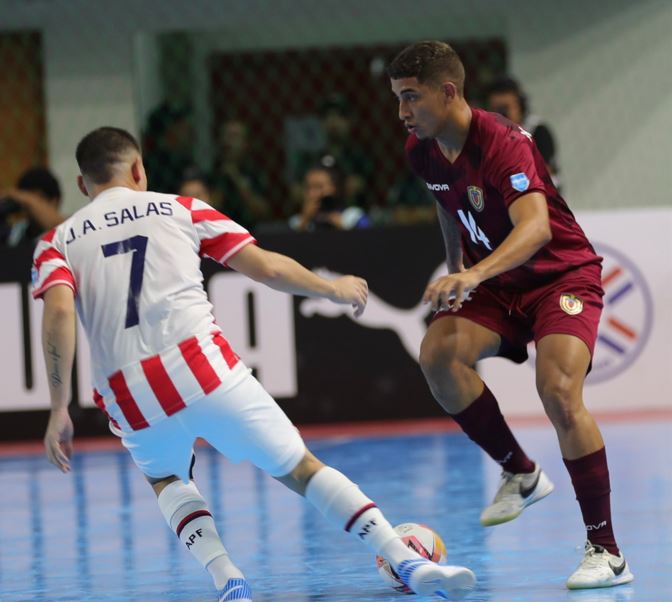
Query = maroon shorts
x=571 y=304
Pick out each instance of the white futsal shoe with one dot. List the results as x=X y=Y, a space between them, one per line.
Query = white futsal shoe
x=600 y=568
x=236 y=589
x=516 y=492
x=426 y=577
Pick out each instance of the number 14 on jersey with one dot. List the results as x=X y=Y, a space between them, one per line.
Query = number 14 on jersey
x=477 y=235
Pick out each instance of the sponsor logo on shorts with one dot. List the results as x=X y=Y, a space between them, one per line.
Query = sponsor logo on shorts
x=476 y=199
x=520 y=182
x=438 y=187
x=571 y=304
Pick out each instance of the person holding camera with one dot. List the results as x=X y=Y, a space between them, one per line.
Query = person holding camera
x=506 y=96
x=324 y=206
x=31 y=208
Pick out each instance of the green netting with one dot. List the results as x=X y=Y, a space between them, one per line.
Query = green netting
x=244 y=96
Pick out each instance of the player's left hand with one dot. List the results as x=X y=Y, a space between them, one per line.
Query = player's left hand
x=451 y=291
x=58 y=439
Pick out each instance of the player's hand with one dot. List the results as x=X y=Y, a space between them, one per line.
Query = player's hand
x=58 y=439
x=451 y=291
x=24 y=198
x=353 y=290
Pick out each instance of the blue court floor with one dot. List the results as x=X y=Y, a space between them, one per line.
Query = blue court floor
x=97 y=534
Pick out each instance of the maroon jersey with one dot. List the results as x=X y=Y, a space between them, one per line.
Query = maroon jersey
x=498 y=164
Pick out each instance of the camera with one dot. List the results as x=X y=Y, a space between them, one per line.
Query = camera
x=330 y=203
x=8 y=206
x=502 y=110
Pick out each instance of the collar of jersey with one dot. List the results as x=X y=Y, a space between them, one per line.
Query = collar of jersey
x=111 y=191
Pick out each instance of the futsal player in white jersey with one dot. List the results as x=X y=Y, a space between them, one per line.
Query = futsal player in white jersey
x=129 y=262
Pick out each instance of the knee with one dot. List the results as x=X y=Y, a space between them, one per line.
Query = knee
x=306 y=468
x=440 y=360
x=562 y=402
x=298 y=478
x=159 y=484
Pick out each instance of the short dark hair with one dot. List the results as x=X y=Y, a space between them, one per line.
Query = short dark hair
x=40 y=179
x=335 y=174
x=101 y=149
x=508 y=85
x=504 y=85
x=194 y=174
x=429 y=62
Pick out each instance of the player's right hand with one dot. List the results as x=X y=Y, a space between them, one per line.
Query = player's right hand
x=450 y=292
x=58 y=439
x=353 y=290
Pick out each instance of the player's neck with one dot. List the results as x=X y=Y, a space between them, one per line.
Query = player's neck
x=98 y=189
x=453 y=136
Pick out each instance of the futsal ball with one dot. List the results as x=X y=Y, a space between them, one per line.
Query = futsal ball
x=419 y=538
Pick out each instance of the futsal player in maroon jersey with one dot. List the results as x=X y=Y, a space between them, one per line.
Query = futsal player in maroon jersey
x=520 y=269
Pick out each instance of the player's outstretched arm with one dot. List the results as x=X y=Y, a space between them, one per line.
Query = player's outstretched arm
x=58 y=345
x=284 y=274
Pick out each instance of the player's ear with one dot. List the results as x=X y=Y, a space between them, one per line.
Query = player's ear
x=138 y=173
x=82 y=186
x=136 y=170
x=449 y=90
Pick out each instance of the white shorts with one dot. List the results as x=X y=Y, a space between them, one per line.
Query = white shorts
x=242 y=423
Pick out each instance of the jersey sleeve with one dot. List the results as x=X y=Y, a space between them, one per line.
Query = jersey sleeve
x=220 y=238
x=513 y=171
x=50 y=267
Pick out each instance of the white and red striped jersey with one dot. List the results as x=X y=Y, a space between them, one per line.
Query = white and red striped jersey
x=133 y=261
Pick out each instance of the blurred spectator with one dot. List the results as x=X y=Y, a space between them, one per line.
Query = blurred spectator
x=31 y=208
x=195 y=185
x=340 y=151
x=237 y=181
x=167 y=147
x=409 y=201
x=505 y=96
x=323 y=206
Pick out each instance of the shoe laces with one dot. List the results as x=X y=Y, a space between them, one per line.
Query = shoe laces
x=509 y=486
x=594 y=556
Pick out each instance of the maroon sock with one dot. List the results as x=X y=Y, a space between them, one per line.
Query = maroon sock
x=590 y=477
x=484 y=424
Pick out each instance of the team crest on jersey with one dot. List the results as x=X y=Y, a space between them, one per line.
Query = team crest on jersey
x=520 y=182
x=571 y=304
x=476 y=199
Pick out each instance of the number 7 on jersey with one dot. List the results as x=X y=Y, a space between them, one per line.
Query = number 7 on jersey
x=139 y=245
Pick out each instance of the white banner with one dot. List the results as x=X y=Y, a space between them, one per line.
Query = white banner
x=632 y=366
x=257 y=321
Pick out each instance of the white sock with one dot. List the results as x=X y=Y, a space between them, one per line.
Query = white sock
x=344 y=505
x=187 y=515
